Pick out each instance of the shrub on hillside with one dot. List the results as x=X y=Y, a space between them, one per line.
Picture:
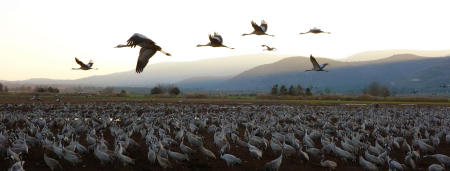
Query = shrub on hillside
x=174 y=91
x=156 y=90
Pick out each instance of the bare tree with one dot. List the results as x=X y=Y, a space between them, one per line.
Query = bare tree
x=384 y=91
x=376 y=89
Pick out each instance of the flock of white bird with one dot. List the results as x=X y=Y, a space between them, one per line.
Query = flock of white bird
x=64 y=136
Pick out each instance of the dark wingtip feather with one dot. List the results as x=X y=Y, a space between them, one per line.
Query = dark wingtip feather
x=139 y=68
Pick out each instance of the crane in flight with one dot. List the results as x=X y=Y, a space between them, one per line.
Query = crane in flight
x=215 y=40
x=258 y=29
x=268 y=48
x=148 y=49
x=84 y=66
x=315 y=31
x=316 y=65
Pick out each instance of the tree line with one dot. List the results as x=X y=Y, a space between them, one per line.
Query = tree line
x=292 y=91
x=163 y=89
x=3 y=88
x=373 y=89
x=46 y=90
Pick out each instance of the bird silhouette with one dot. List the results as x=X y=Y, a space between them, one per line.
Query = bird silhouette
x=148 y=49
x=315 y=31
x=215 y=40
x=268 y=48
x=258 y=29
x=316 y=66
x=84 y=66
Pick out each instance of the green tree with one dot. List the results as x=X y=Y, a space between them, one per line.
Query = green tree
x=1 y=87
x=156 y=90
x=300 y=90
x=274 y=90
x=40 y=90
x=5 y=89
x=52 y=90
x=123 y=93
x=292 y=90
x=174 y=91
x=308 y=92
x=283 y=90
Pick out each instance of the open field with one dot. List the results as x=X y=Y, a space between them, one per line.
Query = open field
x=20 y=98
x=156 y=122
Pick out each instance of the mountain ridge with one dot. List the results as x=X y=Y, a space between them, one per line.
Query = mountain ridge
x=344 y=76
x=380 y=54
x=348 y=77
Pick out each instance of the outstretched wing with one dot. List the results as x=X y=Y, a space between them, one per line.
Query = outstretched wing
x=90 y=64
x=80 y=63
x=144 y=55
x=263 y=26
x=216 y=38
x=211 y=38
x=219 y=37
x=314 y=62
x=139 y=40
x=256 y=26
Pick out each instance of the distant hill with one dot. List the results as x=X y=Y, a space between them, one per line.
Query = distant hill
x=375 y=55
x=171 y=72
x=402 y=73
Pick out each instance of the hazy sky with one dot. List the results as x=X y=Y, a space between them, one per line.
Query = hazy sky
x=39 y=39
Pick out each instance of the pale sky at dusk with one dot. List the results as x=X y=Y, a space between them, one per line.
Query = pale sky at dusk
x=39 y=39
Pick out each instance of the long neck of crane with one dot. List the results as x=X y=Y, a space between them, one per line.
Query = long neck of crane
x=121 y=46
